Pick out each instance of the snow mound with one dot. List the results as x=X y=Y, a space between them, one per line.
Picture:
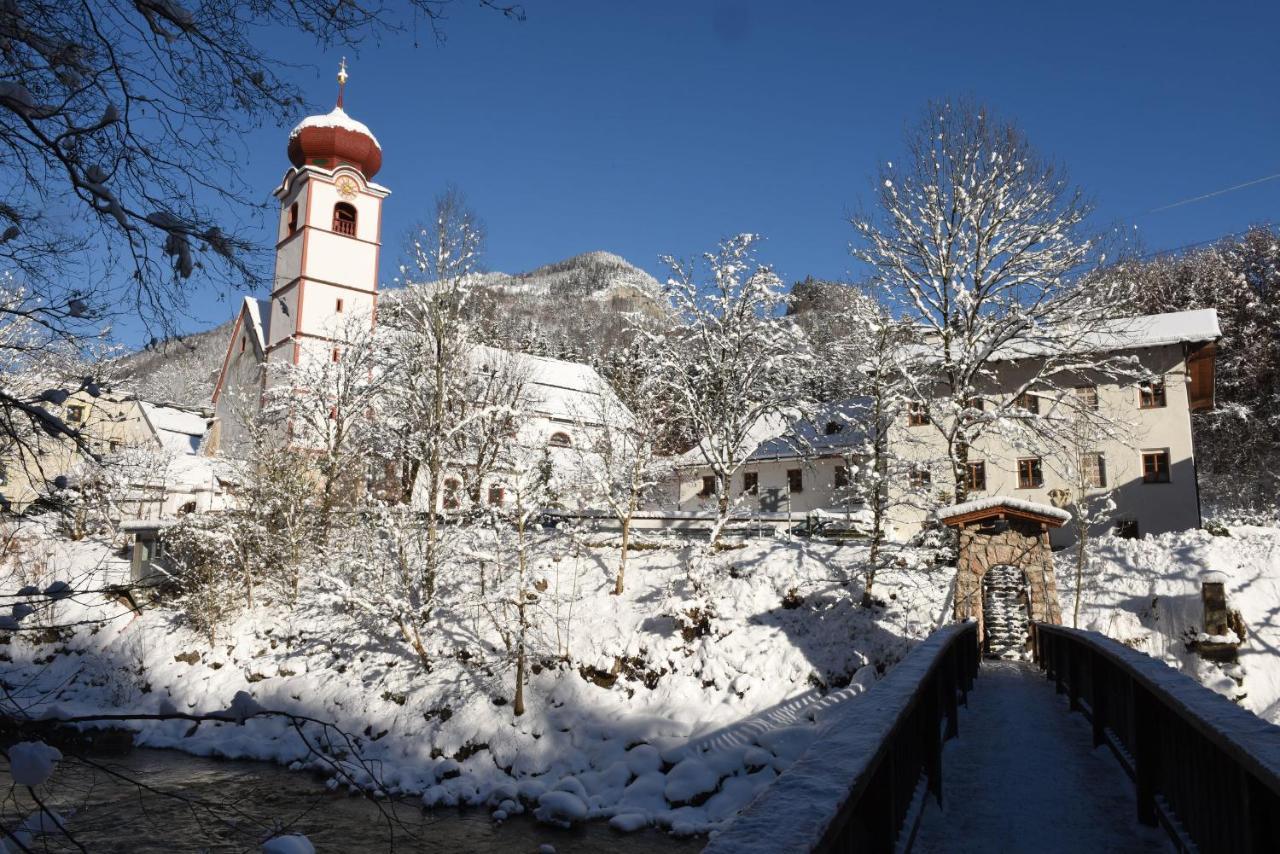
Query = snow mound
x=294 y=843
x=31 y=763
x=562 y=808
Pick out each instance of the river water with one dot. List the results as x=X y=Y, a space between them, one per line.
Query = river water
x=213 y=805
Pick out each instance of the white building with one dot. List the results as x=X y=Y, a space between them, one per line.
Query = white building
x=1148 y=464
x=326 y=277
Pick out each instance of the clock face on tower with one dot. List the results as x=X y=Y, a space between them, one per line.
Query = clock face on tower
x=347 y=187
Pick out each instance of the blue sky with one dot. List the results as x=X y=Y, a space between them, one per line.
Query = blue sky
x=659 y=127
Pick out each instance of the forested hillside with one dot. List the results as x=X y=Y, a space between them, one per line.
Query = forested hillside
x=579 y=308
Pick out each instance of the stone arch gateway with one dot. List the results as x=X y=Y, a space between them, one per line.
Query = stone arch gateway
x=1008 y=538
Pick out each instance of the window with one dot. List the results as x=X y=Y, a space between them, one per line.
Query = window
x=1127 y=529
x=497 y=495
x=560 y=440
x=842 y=477
x=293 y=217
x=187 y=509
x=344 y=219
x=338 y=307
x=920 y=477
x=832 y=428
x=1094 y=468
x=751 y=483
x=1151 y=395
x=337 y=355
x=976 y=403
x=795 y=480
x=1028 y=402
x=975 y=476
x=917 y=414
x=452 y=498
x=4 y=475
x=114 y=445
x=1155 y=466
x=1030 y=473
x=243 y=342
x=75 y=414
x=1087 y=397
x=708 y=486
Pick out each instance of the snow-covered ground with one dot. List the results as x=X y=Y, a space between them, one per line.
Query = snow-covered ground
x=640 y=724
x=1146 y=594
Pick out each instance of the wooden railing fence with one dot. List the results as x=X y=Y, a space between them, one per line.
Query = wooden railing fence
x=862 y=784
x=1205 y=769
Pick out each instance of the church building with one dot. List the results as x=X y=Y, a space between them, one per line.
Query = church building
x=328 y=240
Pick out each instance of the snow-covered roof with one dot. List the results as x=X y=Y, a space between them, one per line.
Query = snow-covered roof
x=179 y=430
x=336 y=118
x=781 y=436
x=766 y=427
x=259 y=311
x=1109 y=336
x=558 y=388
x=1128 y=333
x=993 y=501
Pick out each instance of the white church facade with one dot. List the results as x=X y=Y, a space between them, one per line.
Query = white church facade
x=328 y=247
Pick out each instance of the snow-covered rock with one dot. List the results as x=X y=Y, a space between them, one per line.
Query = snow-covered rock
x=31 y=763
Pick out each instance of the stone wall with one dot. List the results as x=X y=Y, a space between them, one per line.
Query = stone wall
x=1021 y=544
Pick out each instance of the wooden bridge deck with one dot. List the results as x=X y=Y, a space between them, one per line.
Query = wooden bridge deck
x=1024 y=776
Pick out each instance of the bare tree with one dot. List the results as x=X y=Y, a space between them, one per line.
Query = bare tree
x=975 y=241
x=732 y=365
x=621 y=459
x=328 y=405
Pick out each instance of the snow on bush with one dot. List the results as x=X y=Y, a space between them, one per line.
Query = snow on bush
x=630 y=714
x=31 y=763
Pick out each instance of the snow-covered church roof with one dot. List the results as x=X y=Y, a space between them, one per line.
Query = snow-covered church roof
x=559 y=389
x=335 y=118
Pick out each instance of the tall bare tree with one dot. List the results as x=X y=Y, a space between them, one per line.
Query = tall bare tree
x=976 y=240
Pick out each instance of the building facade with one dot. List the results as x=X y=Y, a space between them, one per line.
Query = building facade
x=1145 y=459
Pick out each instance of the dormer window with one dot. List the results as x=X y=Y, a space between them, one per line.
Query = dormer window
x=832 y=428
x=293 y=217
x=344 y=219
x=560 y=440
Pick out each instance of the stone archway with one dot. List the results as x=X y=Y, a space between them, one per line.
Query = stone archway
x=1005 y=532
x=1005 y=612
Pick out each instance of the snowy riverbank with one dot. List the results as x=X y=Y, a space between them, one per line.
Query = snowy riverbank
x=638 y=721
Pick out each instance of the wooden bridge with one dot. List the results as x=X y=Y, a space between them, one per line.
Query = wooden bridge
x=1099 y=749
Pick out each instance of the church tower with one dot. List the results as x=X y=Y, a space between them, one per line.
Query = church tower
x=329 y=238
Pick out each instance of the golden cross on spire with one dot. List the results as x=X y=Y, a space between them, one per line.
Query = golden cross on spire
x=342 y=79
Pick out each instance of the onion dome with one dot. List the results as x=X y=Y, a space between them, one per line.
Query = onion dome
x=335 y=138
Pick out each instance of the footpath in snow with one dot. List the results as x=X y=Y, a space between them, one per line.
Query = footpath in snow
x=1024 y=776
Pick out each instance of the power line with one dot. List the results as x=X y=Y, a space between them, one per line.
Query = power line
x=1223 y=191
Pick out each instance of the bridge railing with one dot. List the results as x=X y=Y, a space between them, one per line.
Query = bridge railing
x=872 y=762
x=1204 y=768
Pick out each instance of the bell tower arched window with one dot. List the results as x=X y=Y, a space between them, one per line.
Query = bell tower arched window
x=293 y=217
x=344 y=219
